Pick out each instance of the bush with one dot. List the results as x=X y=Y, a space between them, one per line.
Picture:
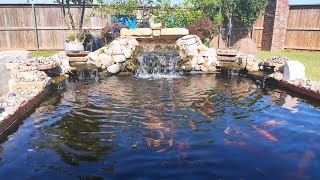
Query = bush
x=110 y=32
x=203 y=28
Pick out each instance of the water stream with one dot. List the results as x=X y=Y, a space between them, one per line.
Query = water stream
x=158 y=61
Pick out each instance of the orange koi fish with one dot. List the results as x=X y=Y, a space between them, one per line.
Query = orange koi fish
x=206 y=115
x=209 y=110
x=266 y=134
x=161 y=150
x=240 y=143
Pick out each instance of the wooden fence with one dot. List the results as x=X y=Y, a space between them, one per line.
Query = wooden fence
x=38 y=26
x=41 y=26
x=303 y=28
x=239 y=32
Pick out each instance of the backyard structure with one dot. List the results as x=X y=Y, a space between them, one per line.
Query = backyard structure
x=39 y=26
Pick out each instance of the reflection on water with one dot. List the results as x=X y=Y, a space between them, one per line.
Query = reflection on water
x=203 y=126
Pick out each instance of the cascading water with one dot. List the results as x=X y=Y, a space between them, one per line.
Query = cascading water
x=158 y=61
x=85 y=72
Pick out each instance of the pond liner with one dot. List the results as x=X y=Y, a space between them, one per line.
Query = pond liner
x=295 y=89
x=25 y=109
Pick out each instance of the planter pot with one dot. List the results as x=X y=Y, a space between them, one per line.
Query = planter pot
x=73 y=47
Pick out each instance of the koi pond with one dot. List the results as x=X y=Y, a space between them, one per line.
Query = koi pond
x=190 y=127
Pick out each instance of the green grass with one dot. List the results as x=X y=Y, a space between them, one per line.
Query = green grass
x=311 y=60
x=44 y=53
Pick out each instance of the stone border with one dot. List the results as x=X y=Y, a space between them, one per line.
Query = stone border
x=295 y=89
x=22 y=111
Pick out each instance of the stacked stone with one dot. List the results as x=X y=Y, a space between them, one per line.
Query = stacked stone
x=10 y=102
x=63 y=61
x=114 y=56
x=292 y=72
x=307 y=84
x=195 y=55
x=25 y=74
x=276 y=62
x=248 y=62
x=26 y=82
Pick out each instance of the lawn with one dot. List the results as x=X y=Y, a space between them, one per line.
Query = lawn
x=44 y=53
x=311 y=60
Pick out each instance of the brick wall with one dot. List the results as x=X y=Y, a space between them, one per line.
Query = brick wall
x=275 y=23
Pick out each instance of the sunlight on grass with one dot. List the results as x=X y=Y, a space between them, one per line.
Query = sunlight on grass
x=311 y=60
x=46 y=53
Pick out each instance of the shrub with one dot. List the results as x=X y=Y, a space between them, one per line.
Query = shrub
x=111 y=31
x=203 y=28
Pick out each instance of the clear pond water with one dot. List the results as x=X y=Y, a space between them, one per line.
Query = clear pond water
x=193 y=127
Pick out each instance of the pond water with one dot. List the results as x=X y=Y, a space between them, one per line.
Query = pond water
x=193 y=127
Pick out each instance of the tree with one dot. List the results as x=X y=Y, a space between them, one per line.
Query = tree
x=181 y=15
x=245 y=11
x=73 y=24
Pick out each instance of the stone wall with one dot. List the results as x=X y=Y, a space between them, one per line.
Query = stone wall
x=8 y=56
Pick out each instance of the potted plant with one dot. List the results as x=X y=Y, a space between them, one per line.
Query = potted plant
x=74 y=21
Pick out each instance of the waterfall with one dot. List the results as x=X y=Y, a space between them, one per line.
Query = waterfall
x=85 y=72
x=158 y=61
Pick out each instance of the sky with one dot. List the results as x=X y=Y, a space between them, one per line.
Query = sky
x=50 y=1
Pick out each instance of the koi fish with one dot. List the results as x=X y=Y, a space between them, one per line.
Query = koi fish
x=161 y=136
x=304 y=161
x=151 y=117
x=209 y=110
x=227 y=130
x=183 y=146
x=205 y=115
x=272 y=123
x=193 y=126
x=240 y=143
x=199 y=105
x=161 y=150
x=266 y=134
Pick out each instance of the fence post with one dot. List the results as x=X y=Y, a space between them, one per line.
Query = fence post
x=219 y=36
x=101 y=16
x=252 y=31
x=35 y=26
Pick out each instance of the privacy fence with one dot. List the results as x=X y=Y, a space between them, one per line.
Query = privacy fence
x=41 y=26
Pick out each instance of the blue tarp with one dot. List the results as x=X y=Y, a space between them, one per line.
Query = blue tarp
x=124 y=20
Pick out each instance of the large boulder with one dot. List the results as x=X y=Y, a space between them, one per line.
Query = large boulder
x=119 y=58
x=106 y=60
x=127 y=52
x=116 y=47
x=115 y=68
x=293 y=70
x=132 y=43
x=246 y=46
